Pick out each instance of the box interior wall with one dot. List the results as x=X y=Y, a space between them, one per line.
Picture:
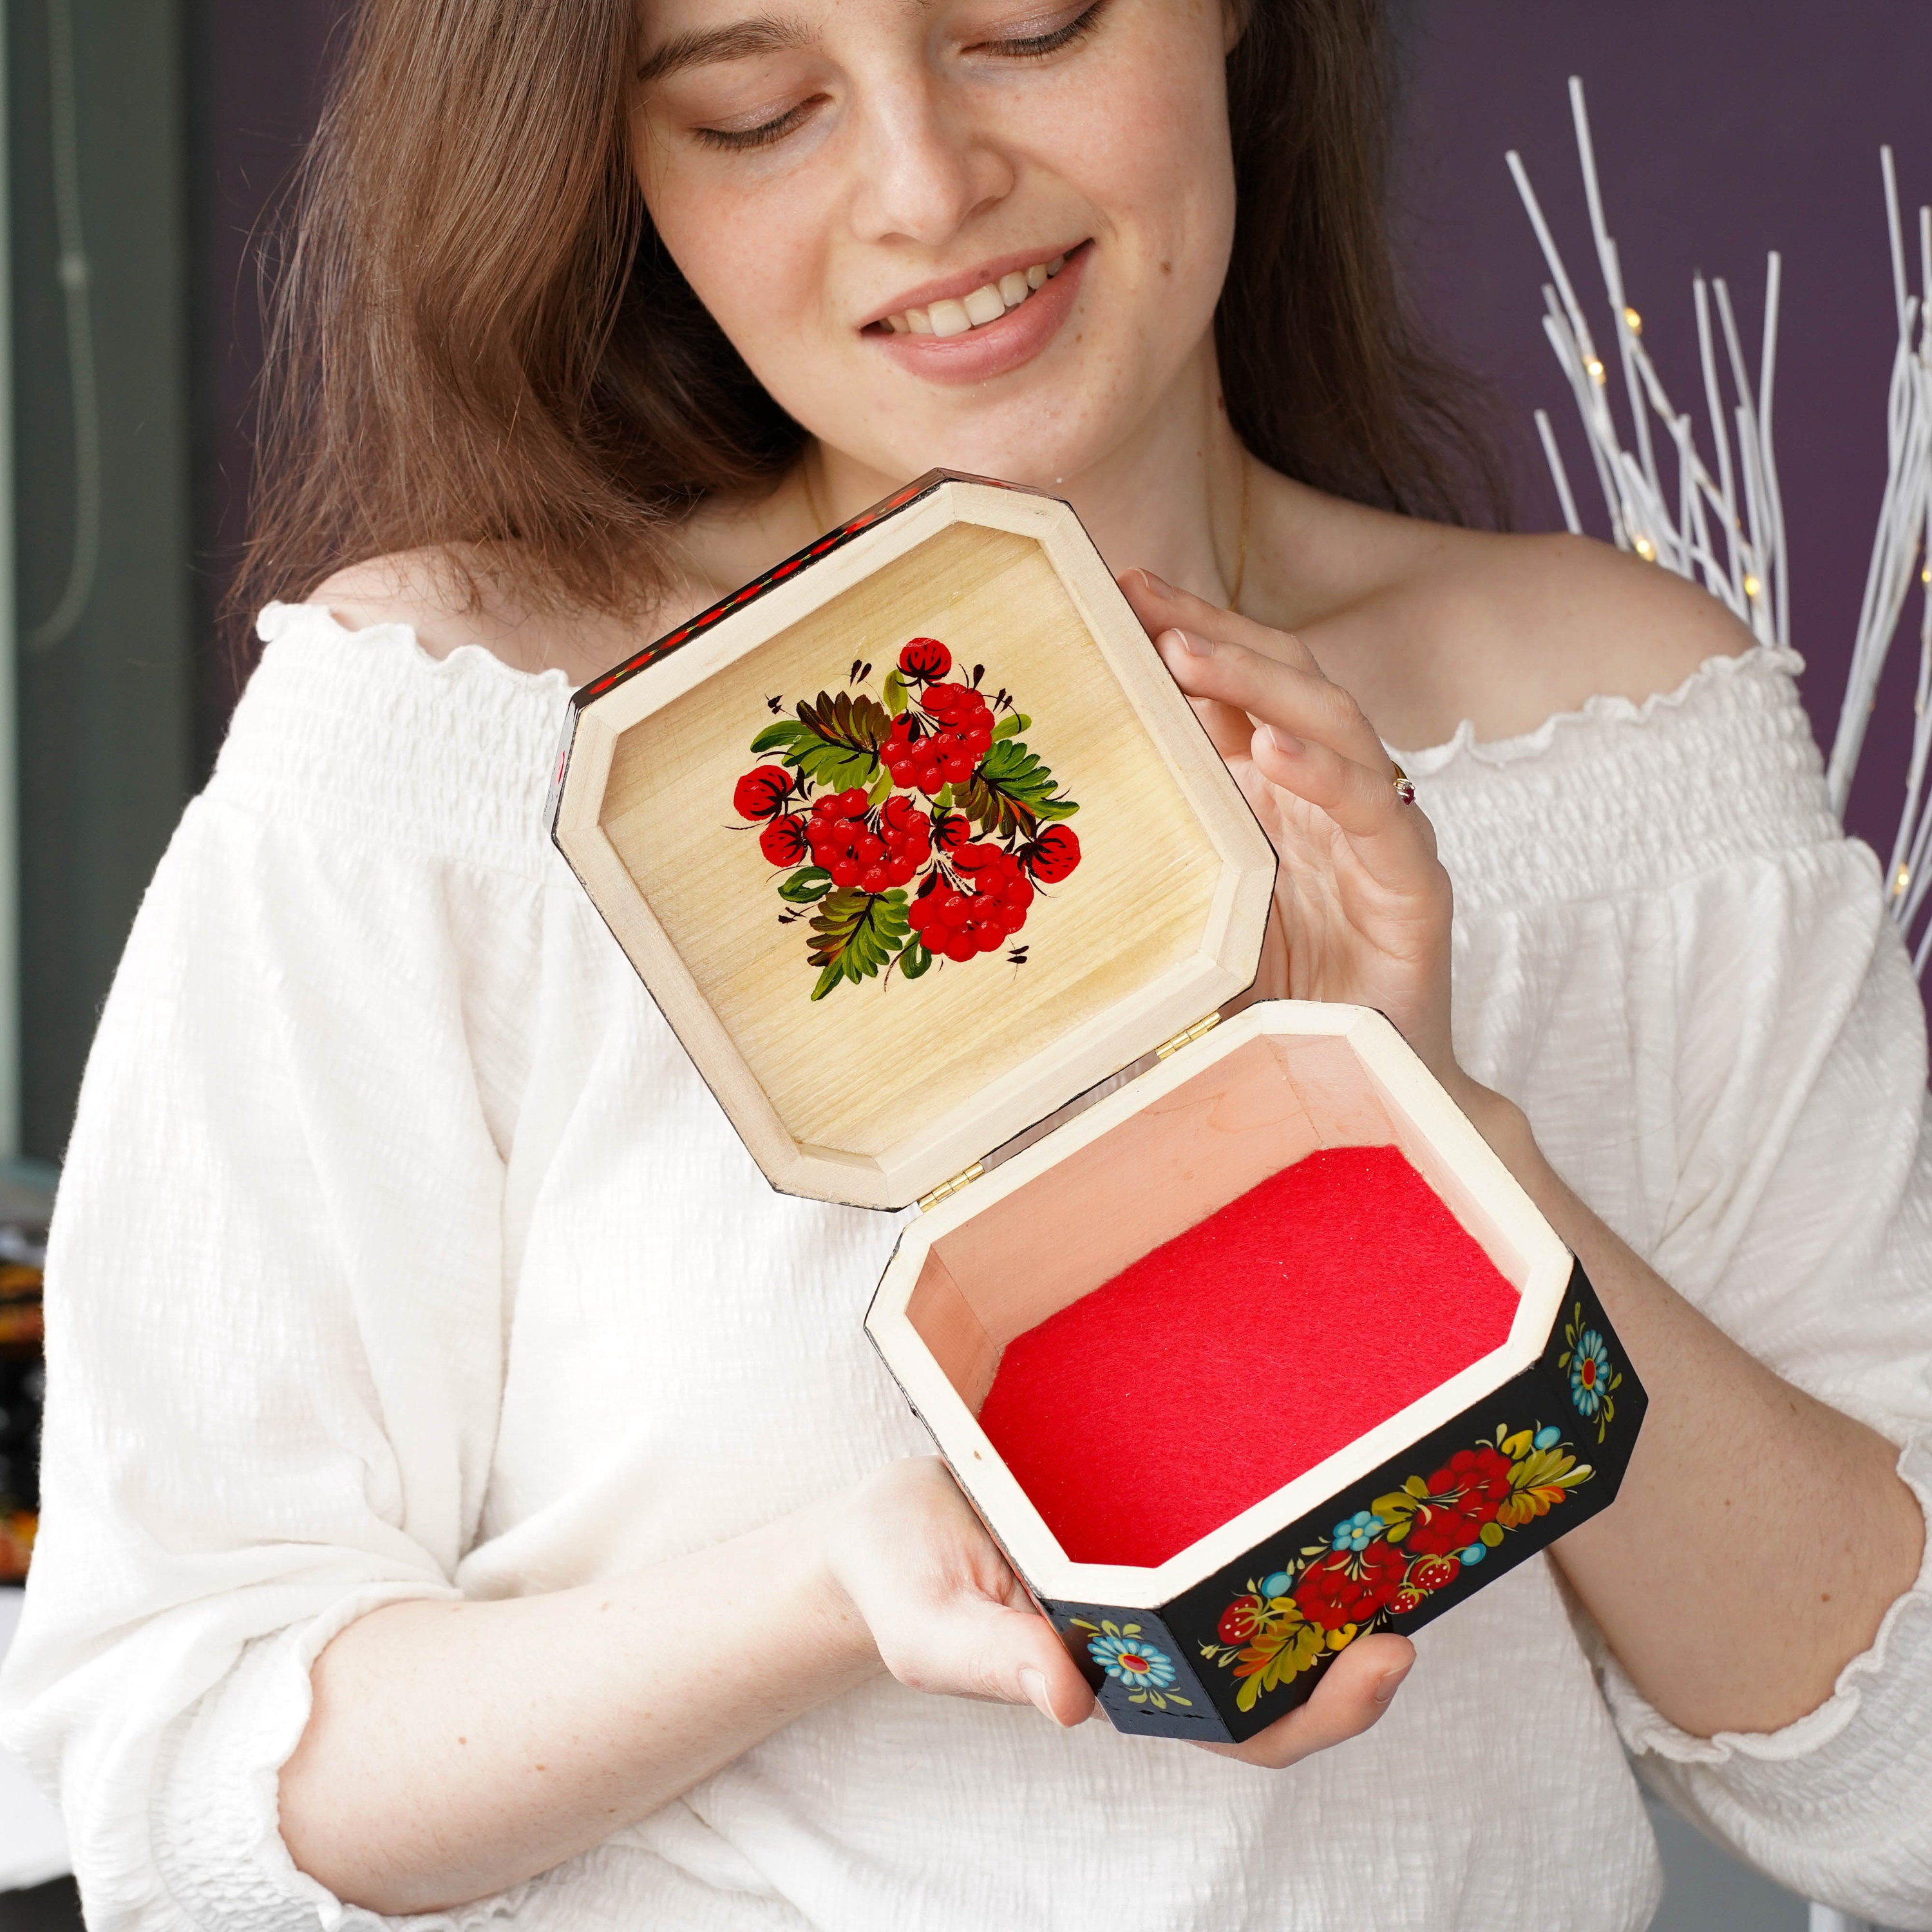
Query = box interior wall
x=1254 y=1111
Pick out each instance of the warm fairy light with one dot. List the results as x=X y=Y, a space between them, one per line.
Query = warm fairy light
x=1753 y=588
x=1644 y=548
x=1595 y=366
x=1633 y=322
x=1900 y=880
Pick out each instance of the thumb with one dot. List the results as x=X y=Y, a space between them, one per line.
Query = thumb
x=1017 y=1659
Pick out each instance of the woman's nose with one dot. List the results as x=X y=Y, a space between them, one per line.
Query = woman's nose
x=924 y=168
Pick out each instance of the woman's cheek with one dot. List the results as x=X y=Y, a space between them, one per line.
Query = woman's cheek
x=755 y=259
x=1150 y=150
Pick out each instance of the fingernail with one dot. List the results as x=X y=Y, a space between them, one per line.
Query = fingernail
x=1158 y=586
x=1034 y=1685
x=1390 y=1682
x=1285 y=741
x=1195 y=647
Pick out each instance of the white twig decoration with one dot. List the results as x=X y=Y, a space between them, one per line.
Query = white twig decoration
x=1901 y=547
x=1728 y=530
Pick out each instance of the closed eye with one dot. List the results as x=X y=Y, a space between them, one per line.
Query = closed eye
x=1040 y=46
x=738 y=140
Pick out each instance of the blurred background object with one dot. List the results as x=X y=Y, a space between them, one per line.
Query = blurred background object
x=146 y=141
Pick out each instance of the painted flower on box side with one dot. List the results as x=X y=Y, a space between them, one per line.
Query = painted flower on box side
x=1388 y=1559
x=1594 y=1378
x=1360 y=1531
x=872 y=810
x=1145 y=1670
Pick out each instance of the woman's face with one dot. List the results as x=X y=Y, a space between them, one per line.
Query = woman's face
x=866 y=193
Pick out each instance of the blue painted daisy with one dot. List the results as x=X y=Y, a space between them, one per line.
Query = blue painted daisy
x=1139 y=1666
x=1589 y=1373
x=1360 y=1531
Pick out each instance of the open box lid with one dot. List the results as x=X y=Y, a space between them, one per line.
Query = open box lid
x=857 y=1064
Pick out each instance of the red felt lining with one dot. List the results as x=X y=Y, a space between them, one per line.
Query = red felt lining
x=1241 y=1353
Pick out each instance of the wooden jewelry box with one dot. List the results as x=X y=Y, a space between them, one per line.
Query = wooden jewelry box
x=1235 y=1332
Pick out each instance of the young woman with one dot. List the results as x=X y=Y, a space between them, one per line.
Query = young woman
x=468 y=1491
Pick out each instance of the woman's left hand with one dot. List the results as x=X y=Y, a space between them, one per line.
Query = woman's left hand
x=1362 y=901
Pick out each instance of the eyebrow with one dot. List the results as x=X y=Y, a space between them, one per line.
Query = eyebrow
x=740 y=41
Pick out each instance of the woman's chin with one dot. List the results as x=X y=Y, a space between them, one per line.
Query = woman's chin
x=1028 y=442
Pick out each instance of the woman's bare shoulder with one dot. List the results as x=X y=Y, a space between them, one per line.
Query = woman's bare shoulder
x=1506 y=632
x=449 y=602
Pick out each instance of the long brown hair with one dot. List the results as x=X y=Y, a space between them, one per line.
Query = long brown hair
x=476 y=340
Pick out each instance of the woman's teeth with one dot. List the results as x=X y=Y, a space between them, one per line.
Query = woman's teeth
x=986 y=304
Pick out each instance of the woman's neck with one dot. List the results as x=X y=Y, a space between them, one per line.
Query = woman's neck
x=1168 y=499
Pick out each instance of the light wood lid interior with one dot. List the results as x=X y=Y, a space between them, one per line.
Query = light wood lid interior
x=884 y=1088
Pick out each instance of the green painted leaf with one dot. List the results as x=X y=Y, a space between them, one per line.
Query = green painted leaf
x=1013 y=791
x=837 y=740
x=943 y=798
x=881 y=786
x=855 y=935
x=808 y=883
x=914 y=960
x=895 y=691
x=1011 y=727
x=779 y=737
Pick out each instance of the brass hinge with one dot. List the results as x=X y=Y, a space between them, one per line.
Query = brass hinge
x=952 y=1186
x=1193 y=1033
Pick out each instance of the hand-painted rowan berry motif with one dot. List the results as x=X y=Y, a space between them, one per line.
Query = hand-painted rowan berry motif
x=919 y=827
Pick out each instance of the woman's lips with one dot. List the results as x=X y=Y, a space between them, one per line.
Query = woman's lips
x=992 y=348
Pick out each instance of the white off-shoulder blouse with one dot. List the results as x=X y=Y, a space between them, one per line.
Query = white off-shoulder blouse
x=401 y=1253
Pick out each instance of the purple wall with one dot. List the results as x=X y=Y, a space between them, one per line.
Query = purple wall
x=1723 y=130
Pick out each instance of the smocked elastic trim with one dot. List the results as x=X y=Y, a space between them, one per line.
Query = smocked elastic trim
x=279 y=620
x=1646 y=1731
x=1464 y=745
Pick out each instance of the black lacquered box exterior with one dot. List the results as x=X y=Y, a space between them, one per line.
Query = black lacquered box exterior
x=1500 y=1482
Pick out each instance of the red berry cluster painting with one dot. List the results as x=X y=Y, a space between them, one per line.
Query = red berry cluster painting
x=915 y=827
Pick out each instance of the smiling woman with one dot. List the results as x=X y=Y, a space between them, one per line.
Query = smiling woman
x=467 y=1490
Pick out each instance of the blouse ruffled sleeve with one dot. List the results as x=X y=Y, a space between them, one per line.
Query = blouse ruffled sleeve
x=1670 y=956
x=1803 y=1225
x=1798 y=1215
x=275 y=1294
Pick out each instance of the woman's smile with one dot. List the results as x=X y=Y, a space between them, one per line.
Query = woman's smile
x=973 y=326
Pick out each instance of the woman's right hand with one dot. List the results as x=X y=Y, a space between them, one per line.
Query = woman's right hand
x=948 y=1615
x=943 y=1606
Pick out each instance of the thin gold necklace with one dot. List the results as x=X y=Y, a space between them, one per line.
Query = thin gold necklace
x=818 y=524
x=1240 y=544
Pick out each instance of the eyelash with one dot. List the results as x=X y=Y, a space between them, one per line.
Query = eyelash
x=1033 y=47
x=736 y=141
x=1038 y=46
